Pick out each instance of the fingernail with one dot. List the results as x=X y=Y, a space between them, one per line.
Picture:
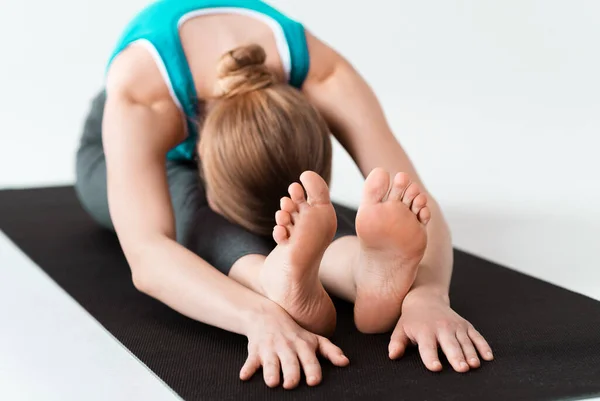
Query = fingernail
x=473 y=360
x=437 y=364
x=489 y=355
x=393 y=350
x=312 y=379
x=463 y=365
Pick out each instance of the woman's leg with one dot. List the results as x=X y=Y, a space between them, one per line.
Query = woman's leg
x=206 y=233
x=247 y=272
x=90 y=166
x=341 y=258
x=373 y=272
x=374 y=269
x=197 y=227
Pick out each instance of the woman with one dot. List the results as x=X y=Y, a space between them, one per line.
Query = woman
x=262 y=113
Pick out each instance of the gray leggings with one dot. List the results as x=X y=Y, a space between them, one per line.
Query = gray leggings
x=206 y=233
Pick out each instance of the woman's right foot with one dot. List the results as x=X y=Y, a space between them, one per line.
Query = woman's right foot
x=393 y=240
x=290 y=274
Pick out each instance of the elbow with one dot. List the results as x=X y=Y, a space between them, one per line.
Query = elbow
x=142 y=280
x=142 y=253
x=142 y=273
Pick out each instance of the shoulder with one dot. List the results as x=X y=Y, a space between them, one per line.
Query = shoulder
x=324 y=60
x=134 y=74
x=137 y=95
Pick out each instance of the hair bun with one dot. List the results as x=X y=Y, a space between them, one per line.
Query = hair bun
x=243 y=70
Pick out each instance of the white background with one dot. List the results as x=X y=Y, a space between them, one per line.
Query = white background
x=497 y=103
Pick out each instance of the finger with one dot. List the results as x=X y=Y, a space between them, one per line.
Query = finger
x=250 y=367
x=482 y=346
x=270 y=364
x=290 y=367
x=429 y=352
x=398 y=343
x=468 y=348
x=310 y=364
x=453 y=350
x=332 y=352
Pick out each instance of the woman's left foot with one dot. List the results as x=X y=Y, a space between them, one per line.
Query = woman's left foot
x=290 y=275
x=391 y=229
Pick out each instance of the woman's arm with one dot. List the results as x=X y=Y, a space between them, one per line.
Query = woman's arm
x=136 y=139
x=140 y=125
x=358 y=122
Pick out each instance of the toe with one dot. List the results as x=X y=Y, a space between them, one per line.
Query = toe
x=410 y=194
x=280 y=234
x=419 y=203
x=401 y=182
x=296 y=193
x=377 y=185
x=424 y=215
x=316 y=188
x=287 y=205
x=283 y=218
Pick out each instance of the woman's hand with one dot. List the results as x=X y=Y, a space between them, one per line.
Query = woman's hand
x=428 y=321
x=276 y=342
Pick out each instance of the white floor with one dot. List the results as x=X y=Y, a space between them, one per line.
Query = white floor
x=53 y=350
x=497 y=103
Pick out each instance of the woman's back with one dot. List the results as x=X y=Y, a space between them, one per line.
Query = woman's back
x=171 y=50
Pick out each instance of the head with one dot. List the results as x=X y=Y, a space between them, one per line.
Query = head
x=258 y=136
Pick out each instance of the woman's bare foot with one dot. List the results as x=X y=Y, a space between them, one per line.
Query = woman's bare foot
x=290 y=275
x=393 y=240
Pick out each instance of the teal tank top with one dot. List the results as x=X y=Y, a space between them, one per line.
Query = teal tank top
x=157 y=28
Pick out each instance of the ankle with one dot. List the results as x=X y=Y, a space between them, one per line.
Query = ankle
x=356 y=263
x=246 y=271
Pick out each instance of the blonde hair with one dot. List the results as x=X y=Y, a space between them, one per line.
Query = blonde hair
x=257 y=137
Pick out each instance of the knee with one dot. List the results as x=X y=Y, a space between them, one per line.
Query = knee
x=90 y=190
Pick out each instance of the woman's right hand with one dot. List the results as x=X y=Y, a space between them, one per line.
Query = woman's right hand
x=277 y=343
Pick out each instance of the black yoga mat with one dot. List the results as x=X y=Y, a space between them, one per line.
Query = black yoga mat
x=546 y=339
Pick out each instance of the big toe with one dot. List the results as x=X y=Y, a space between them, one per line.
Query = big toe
x=316 y=188
x=377 y=185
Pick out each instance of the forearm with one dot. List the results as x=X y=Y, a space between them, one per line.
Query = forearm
x=180 y=279
x=435 y=269
x=357 y=120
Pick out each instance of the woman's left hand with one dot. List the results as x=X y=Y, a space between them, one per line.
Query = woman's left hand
x=428 y=321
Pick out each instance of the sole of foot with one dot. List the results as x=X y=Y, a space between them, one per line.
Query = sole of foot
x=290 y=276
x=391 y=225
